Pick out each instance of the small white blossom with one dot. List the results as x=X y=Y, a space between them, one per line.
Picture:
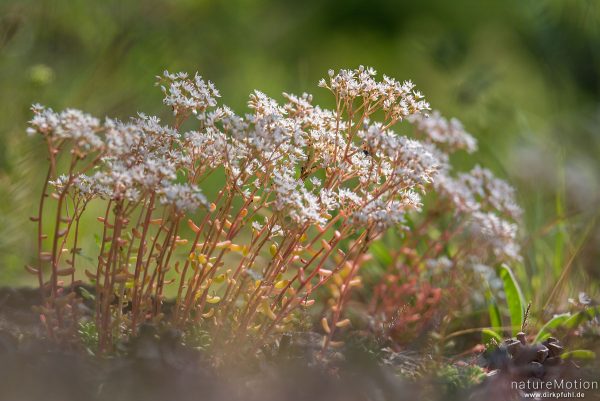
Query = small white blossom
x=380 y=214
x=448 y=133
x=292 y=197
x=187 y=95
x=184 y=197
x=494 y=236
x=304 y=162
x=478 y=190
x=72 y=124
x=442 y=264
x=399 y=100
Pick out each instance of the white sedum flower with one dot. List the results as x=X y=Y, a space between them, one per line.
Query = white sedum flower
x=187 y=95
x=450 y=134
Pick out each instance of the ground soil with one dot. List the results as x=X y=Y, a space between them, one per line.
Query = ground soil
x=156 y=366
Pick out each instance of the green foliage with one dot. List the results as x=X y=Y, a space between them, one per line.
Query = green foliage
x=88 y=334
x=564 y=322
x=556 y=321
x=493 y=311
x=458 y=378
x=580 y=317
x=489 y=335
x=381 y=253
x=579 y=354
x=198 y=338
x=514 y=299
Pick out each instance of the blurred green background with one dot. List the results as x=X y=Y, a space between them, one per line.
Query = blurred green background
x=523 y=76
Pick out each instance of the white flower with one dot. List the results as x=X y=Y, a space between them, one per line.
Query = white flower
x=301 y=205
x=349 y=198
x=306 y=163
x=479 y=190
x=399 y=100
x=264 y=106
x=187 y=95
x=257 y=226
x=70 y=124
x=184 y=197
x=494 y=236
x=442 y=264
x=448 y=133
x=381 y=214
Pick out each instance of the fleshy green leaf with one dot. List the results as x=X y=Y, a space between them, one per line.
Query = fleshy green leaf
x=493 y=311
x=582 y=354
x=514 y=298
x=488 y=334
x=581 y=317
x=86 y=294
x=556 y=321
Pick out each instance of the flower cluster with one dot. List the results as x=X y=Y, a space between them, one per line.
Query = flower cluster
x=305 y=191
x=187 y=95
x=449 y=134
x=488 y=206
x=398 y=100
x=70 y=124
x=133 y=158
x=471 y=223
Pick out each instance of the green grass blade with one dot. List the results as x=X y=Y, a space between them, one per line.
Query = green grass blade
x=560 y=238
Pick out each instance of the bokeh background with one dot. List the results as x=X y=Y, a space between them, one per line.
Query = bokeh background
x=523 y=76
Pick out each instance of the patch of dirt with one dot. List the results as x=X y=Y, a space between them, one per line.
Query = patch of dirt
x=156 y=366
